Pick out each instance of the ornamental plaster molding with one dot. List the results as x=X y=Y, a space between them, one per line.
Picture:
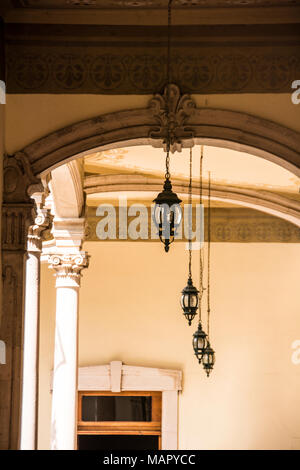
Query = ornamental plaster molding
x=68 y=268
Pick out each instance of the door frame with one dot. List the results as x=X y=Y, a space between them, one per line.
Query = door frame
x=121 y=428
x=117 y=377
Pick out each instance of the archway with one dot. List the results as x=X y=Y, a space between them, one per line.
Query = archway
x=25 y=171
x=147 y=126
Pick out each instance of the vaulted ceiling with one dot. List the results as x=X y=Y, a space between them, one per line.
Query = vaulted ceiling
x=247 y=191
x=227 y=167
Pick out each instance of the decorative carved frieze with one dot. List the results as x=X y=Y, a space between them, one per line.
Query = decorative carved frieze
x=228 y=226
x=171 y=111
x=68 y=268
x=110 y=59
x=144 y=73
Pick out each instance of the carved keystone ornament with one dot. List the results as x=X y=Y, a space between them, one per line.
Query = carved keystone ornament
x=181 y=108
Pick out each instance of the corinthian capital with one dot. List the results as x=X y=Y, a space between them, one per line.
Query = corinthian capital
x=68 y=268
x=42 y=222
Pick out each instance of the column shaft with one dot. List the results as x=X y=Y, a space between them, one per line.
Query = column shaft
x=30 y=355
x=64 y=399
x=31 y=327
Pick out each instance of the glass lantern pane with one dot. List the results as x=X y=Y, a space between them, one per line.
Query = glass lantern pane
x=164 y=213
x=177 y=213
x=185 y=300
x=209 y=359
x=170 y=216
x=157 y=215
x=193 y=300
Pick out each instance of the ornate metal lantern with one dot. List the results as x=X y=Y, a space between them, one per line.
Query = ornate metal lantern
x=199 y=342
x=189 y=297
x=201 y=345
x=167 y=213
x=208 y=359
x=189 y=301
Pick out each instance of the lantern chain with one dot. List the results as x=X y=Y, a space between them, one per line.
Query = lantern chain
x=190 y=214
x=167 y=175
x=201 y=250
x=169 y=41
x=208 y=253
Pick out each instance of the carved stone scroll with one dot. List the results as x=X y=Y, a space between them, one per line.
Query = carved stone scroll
x=180 y=108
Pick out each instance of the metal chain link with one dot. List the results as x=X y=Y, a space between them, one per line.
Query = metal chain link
x=201 y=250
x=169 y=41
x=168 y=91
x=191 y=213
x=167 y=174
x=208 y=255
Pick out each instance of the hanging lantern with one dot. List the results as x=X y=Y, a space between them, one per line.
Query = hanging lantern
x=167 y=214
x=189 y=297
x=199 y=342
x=201 y=345
x=200 y=337
x=208 y=359
x=189 y=301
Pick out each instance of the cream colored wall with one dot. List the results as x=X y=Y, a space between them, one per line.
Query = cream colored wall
x=129 y=311
x=35 y=116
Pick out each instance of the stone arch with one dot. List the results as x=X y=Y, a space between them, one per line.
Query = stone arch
x=276 y=205
x=148 y=126
x=24 y=172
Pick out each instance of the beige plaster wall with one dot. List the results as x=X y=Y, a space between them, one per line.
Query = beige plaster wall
x=34 y=116
x=129 y=311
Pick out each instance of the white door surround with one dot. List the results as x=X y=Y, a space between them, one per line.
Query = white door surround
x=117 y=377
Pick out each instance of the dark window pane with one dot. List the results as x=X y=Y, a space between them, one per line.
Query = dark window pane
x=106 y=408
x=110 y=442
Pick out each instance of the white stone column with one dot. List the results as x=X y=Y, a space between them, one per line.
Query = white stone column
x=31 y=331
x=64 y=398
